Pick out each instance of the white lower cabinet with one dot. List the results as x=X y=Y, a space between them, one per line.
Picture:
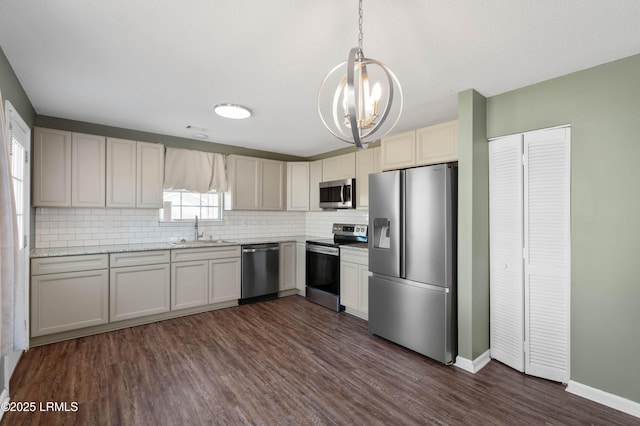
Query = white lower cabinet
x=354 y=281
x=206 y=275
x=189 y=284
x=224 y=280
x=140 y=290
x=301 y=271
x=68 y=293
x=287 y=266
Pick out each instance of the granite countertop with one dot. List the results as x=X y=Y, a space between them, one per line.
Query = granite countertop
x=356 y=246
x=121 y=248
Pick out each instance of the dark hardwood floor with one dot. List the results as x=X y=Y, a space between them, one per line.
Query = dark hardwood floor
x=285 y=361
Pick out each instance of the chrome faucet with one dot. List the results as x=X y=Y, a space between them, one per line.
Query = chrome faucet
x=197 y=231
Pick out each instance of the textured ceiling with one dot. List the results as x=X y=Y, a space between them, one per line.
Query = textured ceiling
x=159 y=65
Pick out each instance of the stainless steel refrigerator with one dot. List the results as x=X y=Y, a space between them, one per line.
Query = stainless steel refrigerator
x=412 y=255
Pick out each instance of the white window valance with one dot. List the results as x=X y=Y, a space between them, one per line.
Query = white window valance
x=194 y=171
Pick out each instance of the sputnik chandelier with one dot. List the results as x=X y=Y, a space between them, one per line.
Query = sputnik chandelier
x=356 y=98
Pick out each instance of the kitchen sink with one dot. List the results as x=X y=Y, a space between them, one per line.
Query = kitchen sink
x=199 y=243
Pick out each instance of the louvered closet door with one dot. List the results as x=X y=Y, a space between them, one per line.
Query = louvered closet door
x=547 y=253
x=506 y=264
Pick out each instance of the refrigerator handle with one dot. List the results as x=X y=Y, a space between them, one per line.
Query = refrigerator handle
x=403 y=228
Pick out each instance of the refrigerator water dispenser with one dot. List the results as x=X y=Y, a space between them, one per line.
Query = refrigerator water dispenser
x=381 y=228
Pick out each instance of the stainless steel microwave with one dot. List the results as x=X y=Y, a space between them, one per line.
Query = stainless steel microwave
x=338 y=194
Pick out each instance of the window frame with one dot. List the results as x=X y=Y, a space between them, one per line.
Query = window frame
x=220 y=206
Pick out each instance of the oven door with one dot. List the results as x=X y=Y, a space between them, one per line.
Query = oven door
x=323 y=268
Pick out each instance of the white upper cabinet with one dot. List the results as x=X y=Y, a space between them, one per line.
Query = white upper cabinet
x=298 y=186
x=244 y=177
x=51 y=168
x=339 y=167
x=399 y=151
x=135 y=173
x=437 y=144
x=256 y=184
x=315 y=177
x=272 y=192
x=367 y=162
x=429 y=145
x=121 y=173
x=69 y=169
x=150 y=174
x=87 y=170
x=80 y=170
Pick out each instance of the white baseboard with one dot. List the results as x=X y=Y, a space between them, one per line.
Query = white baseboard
x=4 y=397
x=475 y=365
x=604 y=398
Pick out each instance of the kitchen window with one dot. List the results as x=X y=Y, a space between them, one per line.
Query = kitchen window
x=186 y=205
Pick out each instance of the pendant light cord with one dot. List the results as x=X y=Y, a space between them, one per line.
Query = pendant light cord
x=360 y=36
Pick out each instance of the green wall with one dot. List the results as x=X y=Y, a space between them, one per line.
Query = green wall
x=172 y=141
x=473 y=226
x=12 y=91
x=602 y=104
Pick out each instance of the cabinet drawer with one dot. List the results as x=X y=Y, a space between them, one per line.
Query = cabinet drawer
x=56 y=265
x=353 y=256
x=204 y=253
x=139 y=258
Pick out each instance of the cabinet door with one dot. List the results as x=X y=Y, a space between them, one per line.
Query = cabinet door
x=224 y=280
x=88 y=171
x=298 y=186
x=149 y=174
x=398 y=151
x=301 y=278
x=68 y=301
x=138 y=291
x=189 y=284
x=121 y=173
x=339 y=167
x=349 y=284
x=245 y=188
x=287 y=266
x=437 y=144
x=363 y=288
x=272 y=185
x=51 y=168
x=330 y=169
x=347 y=164
x=315 y=177
x=367 y=162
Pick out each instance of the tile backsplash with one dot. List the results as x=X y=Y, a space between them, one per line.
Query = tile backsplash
x=78 y=227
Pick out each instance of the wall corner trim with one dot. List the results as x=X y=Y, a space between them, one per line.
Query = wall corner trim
x=605 y=398
x=4 y=398
x=475 y=365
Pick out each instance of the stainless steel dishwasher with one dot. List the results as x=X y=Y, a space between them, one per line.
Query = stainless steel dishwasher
x=260 y=271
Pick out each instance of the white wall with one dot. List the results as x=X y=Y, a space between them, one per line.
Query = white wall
x=75 y=227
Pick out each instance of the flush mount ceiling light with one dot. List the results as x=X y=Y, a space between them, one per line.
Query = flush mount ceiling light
x=356 y=98
x=232 y=111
